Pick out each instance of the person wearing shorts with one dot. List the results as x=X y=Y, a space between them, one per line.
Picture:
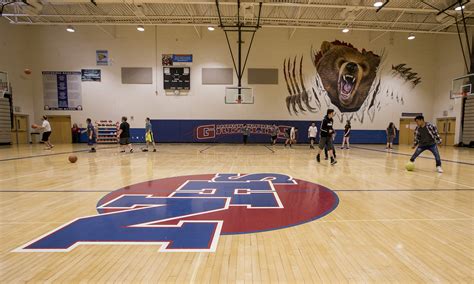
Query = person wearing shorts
x=149 y=139
x=91 y=135
x=245 y=133
x=275 y=131
x=124 y=136
x=347 y=135
x=312 y=134
x=391 y=133
x=326 y=136
x=46 y=128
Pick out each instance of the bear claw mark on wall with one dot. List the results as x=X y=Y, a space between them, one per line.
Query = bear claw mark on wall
x=406 y=73
x=298 y=99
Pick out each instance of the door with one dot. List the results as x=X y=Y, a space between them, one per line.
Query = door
x=407 y=127
x=60 y=129
x=20 y=129
x=450 y=131
x=441 y=124
x=447 y=130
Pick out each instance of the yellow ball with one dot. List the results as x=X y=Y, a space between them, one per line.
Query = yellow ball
x=410 y=166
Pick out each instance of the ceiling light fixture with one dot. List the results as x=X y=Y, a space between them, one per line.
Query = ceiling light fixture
x=70 y=29
x=459 y=8
x=411 y=36
x=378 y=4
x=211 y=28
x=346 y=30
x=140 y=28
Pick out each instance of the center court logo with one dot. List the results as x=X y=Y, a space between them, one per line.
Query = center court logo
x=190 y=213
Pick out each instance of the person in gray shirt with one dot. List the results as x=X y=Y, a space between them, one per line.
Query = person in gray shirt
x=275 y=131
x=149 y=139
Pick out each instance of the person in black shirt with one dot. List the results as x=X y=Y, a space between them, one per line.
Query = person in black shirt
x=326 y=136
x=124 y=135
x=347 y=135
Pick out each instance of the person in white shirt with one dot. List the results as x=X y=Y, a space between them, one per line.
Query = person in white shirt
x=312 y=134
x=290 y=134
x=46 y=128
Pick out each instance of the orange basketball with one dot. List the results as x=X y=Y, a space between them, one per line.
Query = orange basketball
x=72 y=158
x=34 y=126
x=27 y=71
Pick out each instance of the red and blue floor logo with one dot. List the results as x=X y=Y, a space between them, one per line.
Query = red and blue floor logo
x=190 y=213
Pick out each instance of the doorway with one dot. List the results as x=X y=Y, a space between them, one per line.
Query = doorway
x=20 y=129
x=407 y=127
x=447 y=130
x=60 y=129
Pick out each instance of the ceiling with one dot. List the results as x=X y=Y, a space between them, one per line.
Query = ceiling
x=396 y=16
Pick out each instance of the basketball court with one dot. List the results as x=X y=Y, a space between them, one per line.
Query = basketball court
x=209 y=85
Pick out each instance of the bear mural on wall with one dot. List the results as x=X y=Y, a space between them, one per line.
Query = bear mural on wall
x=346 y=73
x=346 y=78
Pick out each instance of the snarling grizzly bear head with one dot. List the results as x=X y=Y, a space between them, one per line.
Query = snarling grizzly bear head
x=346 y=73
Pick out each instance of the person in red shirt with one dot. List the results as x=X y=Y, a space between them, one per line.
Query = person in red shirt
x=76 y=133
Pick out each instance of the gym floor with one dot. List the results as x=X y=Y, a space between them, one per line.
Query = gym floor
x=389 y=224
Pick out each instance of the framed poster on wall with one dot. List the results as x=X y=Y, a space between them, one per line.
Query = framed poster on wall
x=62 y=90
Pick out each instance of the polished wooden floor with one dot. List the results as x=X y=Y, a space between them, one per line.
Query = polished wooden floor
x=390 y=225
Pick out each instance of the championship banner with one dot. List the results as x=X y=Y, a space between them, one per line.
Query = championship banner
x=62 y=90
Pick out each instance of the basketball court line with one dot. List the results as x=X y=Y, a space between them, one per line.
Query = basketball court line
x=271 y=150
x=409 y=155
x=205 y=149
x=52 y=154
x=419 y=174
x=335 y=190
x=395 y=220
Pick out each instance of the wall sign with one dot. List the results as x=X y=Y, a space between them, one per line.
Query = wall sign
x=176 y=59
x=102 y=57
x=62 y=90
x=93 y=75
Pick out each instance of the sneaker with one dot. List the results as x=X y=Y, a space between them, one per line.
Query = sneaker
x=343 y=148
x=154 y=150
x=92 y=150
x=123 y=151
x=318 y=159
x=144 y=150
x=131 y=150
x=439 y=169
x=333 y=161
x=326 y=158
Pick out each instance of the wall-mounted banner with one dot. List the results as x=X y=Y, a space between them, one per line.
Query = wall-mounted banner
x=176 y=59
x=62 y=90
x=93 y=75
x=102 y=57
x=230 y=131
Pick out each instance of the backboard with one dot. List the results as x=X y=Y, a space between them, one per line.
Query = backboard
x=239 y=95
x=462 y=86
